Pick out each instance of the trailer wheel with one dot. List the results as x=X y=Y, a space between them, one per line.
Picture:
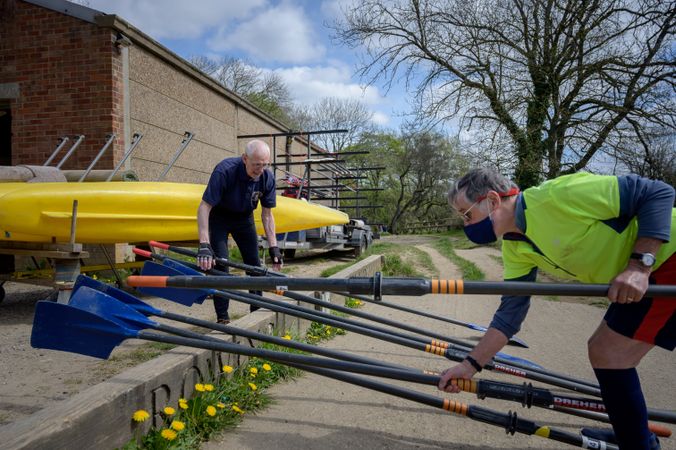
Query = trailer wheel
x=358 y=251
x=289 y=253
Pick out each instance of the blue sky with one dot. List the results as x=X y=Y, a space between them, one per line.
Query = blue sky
x=289 y=37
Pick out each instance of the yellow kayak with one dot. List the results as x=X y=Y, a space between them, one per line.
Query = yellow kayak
x=128 y=212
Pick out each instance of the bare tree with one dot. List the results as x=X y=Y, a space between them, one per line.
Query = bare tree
x=335 y=113
x=266 y=90
x=651 y=155
x=557 y=78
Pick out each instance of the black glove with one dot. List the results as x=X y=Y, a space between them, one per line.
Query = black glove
x=276 y=255
x=205 y=254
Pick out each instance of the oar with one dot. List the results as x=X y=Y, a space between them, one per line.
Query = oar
x=529 y=395
x=181 y=267
x=379 y=286
x=187 y=270
x=117 y=297
x=62 y=327
x=265 y=271
x=450 y=352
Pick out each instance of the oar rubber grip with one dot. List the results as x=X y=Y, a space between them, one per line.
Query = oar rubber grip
x=465 y=385
x=440 y=351
x=147 y=281
x=455 y=407
x=141 y=252
x=161 y=245
x=447 y=286
x=659 y=430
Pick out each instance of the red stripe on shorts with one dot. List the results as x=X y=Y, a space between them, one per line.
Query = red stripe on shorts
x=662 y=308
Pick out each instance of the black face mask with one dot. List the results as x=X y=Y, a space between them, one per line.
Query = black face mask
x=481 y=232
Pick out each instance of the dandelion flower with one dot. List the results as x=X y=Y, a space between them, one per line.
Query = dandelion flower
x=177 y=425
x=253 y=386
x=220 y=405
x=287 y=337
x=237 y=409
x=199 y=387
x=211 y=411
x=253 y=371
x=168 y=434
x=182 y=403
x=208 y=387
x=141 y=415
x=228 y=369
x=168 y=410
x=267 y=367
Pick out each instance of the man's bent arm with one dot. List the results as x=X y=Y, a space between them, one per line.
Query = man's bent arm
x=203 y=221
x=269 y=226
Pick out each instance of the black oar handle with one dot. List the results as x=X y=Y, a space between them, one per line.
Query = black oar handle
x=378 y=286
x=226 y=262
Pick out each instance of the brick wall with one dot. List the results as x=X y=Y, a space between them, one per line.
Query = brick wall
x=70 y=81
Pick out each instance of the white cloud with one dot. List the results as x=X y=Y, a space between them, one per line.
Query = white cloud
x=177 y=19
x=380 y=118
x=308 y=84
x=282 y=33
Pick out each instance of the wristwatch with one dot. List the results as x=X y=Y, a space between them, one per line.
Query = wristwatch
x=646 y=259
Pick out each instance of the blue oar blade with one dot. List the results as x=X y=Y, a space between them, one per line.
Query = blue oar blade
x=183 y=296
x=105 y=306
x=184 y=270
x=118 y=294
x=58 y=326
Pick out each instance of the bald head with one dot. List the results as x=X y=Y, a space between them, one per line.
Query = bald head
x=256 y=158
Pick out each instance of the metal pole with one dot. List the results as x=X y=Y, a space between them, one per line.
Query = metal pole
x=134 y=142
x=187 y=137
x=76 y=144
x=62 y=142
x=111 y=138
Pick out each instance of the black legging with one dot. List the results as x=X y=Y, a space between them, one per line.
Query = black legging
x=243 y=231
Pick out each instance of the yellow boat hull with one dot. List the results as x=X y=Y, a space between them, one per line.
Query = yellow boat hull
x=128 y=212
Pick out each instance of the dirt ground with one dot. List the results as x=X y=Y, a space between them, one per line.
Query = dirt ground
x=31 y=378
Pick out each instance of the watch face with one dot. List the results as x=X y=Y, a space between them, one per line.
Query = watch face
x=648 y=260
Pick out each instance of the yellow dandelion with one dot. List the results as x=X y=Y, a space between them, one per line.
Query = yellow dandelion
x=253 y=370
x=208 y=387
x=177 y=425
x=237 y=409
x=287 y=337
x=168 y=434
x=267 y=367
x=199 y=387
x=168 y=410
x=253 y=386
x=141 y=415
x=183 y=404
x=220 y=405
x=228 y=369
x=211 y=411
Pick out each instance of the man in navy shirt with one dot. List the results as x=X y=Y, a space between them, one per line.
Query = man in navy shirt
x=235 y=187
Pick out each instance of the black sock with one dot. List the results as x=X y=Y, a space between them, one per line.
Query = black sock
x=625 y=405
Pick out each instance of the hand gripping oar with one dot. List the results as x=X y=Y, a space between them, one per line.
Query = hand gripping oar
x=58 y=326
x=379 y=286
x=118 y=297
x=265 y=271
x=451 y=352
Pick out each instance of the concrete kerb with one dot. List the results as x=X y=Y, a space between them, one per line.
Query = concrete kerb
x=100 y=416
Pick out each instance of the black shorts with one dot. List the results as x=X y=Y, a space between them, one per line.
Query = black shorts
x=652 y=320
